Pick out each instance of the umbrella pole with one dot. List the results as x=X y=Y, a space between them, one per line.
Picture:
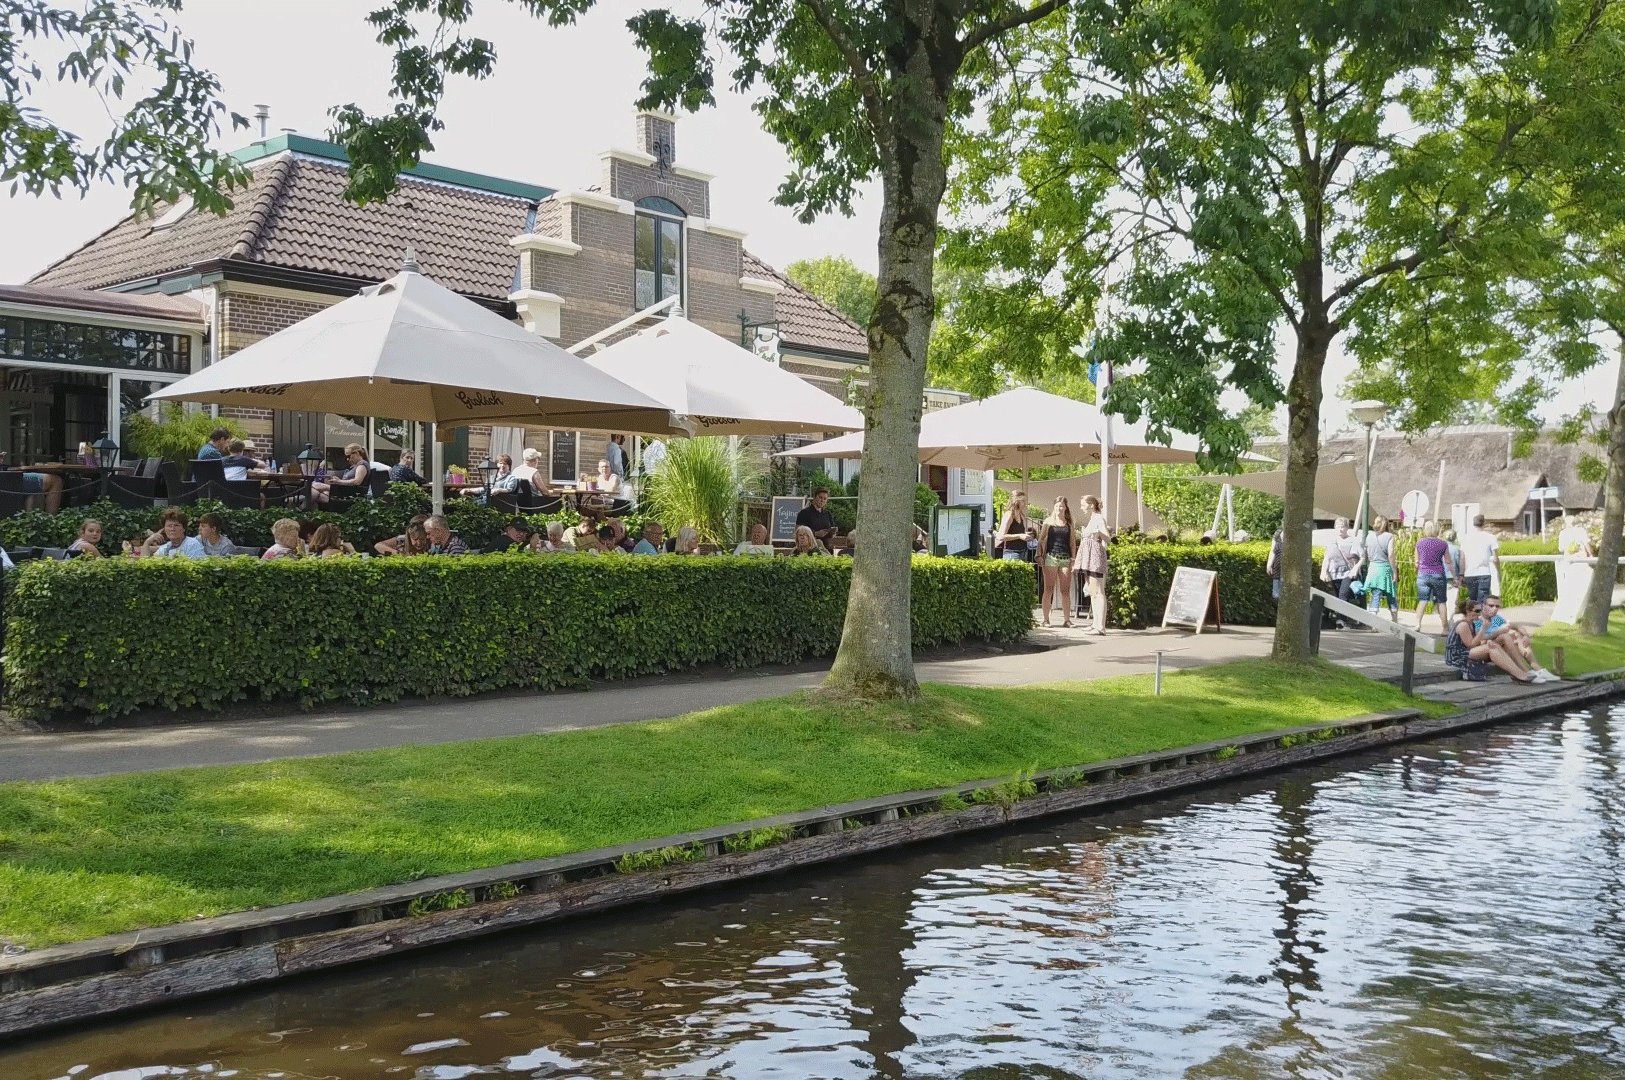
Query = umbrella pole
x=1139 y=494
x=437 y=471
x=1218 y=510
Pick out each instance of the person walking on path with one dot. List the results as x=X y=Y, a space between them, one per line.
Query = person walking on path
x=1090 y=562
x=1481 y=552
x=1433 y=571
x=1379 y=574
x=1059 y=545
x=1340 y=567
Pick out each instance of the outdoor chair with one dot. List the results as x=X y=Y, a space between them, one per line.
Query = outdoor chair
x=617 y=507
x=239 y=494
x=81 y=490
x=148 y=466
x=209 y=470
x=541 y=504
x=503 y=503
x=251 y=552
x=56 y=554
x=133 y=492
x=377 y=482
x=27 y=554
x=13 y=499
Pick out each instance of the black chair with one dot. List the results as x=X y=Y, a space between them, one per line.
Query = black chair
x=541 y=504
x=241 y=494
x=250 y=551
x=169 y=478
x=56 y=554
x=133 y=492
x=377 y=482
x=209 y=470
x=148 y=466
x=81 y=490
x=503 y=503
x=617 y=507
x=27 y=554
x=13 y=499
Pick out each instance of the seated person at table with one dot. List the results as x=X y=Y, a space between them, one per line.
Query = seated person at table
x=582 y=539
x=688 y=541
x=219 y=441
x=529 y=472
x=329 y=542
x=414 y=541
x=622 y=541
x=285 y=531
x=88 y=545
x=521 y=537
x=654 y=539
x=46 y=484
x=355 y=476
x=806 y=544
x=239 y=461
x=816 y=516
x=404 y=471
x=442 y=541
x=606 y=481
x=505 y=483
x=554 y=540
x=606 y=541
x=757 y=544
x=171 y=538
x=208 y=534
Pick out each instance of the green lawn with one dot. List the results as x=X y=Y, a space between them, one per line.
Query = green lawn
x=1582 y=654
x=84 y=857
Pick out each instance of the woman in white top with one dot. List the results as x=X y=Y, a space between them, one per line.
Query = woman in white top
x=1090 y=563
x=1573 y=573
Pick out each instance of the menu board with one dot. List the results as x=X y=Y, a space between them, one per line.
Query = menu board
x=952 y=526
x=785 y=509
x=1193 y=599
x=563 y=457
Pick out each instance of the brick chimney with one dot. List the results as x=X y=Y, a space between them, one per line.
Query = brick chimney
x=657 y=136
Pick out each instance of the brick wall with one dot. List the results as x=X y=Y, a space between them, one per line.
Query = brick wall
x=246 y=318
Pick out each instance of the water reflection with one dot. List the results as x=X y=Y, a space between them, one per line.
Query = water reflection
x=1451 y=910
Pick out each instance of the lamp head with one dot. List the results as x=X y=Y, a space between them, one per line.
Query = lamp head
x=1369 y=413
x=106 y=451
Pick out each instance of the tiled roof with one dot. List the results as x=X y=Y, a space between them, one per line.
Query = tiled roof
x=805 y=320
x=293 y=215
x=156 y=306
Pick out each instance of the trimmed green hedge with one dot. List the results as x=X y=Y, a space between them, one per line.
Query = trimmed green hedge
x=98 y=638
x=364 y=523
x=1138 y=577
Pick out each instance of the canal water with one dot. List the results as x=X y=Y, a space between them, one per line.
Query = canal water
x=1445 y=909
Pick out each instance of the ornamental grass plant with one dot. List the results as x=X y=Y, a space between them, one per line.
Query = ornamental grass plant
x=699 y=483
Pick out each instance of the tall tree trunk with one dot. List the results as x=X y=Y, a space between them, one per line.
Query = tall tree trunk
x=876 y=657
x=1594 y=619
x=1302 y=461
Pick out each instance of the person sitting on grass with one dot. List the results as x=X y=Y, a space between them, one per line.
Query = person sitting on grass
x=442 y=541
x=209 y=535
x=171 y=538
x=757 y=544
x=414 y=541
x=654 y=539
x=1471 y=653
x=1493 y=625
x=329 y=542
x=88 y=544
x=285 y=531
x=807 y=543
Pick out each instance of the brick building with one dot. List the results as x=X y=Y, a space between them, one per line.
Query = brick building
x=567 y=264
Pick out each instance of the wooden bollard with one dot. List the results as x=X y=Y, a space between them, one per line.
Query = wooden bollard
x=1557 y=659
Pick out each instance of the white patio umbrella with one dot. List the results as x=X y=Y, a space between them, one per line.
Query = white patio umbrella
x=1021 y=428
x=410 y=349
x=719 y=387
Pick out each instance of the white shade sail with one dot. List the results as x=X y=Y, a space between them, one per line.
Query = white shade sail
x=1337 y=487
x=719 y=387
x=410 y=349
x=1022 y=428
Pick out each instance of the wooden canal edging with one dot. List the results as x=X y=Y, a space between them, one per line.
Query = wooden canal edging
x=140 y=969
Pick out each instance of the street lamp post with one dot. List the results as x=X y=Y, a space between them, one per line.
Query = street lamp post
x=106 y=451
x=1369 y=413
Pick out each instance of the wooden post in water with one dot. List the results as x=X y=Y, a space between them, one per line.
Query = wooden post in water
x=1407 y=679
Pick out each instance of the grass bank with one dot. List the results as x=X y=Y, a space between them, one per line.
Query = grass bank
x=1581 y=654
x=84 y=857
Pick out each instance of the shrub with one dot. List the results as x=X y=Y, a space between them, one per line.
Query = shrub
x=699 y=483
x=104 y=637
x=177 y=435
x=1138 y=577
x=1527 y=583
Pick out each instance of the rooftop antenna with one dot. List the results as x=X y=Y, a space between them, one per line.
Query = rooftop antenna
x=410 y=262
x=262 y=113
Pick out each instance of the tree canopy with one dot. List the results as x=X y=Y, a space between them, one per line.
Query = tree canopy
x=838 y=282
x=158 y=142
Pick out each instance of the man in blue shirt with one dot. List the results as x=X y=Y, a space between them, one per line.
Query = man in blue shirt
x=654 y=539
x=1512 y=639
x=219 y=439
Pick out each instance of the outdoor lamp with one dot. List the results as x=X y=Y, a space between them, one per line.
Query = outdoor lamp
x=106 y=451
x=488 y=473
x=1369 y=413
x=307 y=458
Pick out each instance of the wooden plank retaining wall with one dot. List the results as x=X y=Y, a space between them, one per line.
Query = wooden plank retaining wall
x=140 y=969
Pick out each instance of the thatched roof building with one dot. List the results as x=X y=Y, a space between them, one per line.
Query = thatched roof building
x=1477 y=464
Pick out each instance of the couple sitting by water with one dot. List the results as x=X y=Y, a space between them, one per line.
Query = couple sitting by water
x=1480 y=637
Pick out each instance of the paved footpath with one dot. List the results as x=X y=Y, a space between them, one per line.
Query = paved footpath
x=1069 y=655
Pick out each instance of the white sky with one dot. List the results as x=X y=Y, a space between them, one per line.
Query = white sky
x=558 y=98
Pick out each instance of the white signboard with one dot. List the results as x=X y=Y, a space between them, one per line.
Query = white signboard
x=1414 y=506
x=972 y=482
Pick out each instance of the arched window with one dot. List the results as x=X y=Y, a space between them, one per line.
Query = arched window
x=657 y=252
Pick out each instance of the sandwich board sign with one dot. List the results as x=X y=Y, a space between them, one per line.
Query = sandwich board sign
x=1193 y=599
x=785 y=509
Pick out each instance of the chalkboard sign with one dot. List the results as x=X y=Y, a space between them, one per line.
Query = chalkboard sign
x=1193 y=599
x=785 y=509
x=564 y=458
